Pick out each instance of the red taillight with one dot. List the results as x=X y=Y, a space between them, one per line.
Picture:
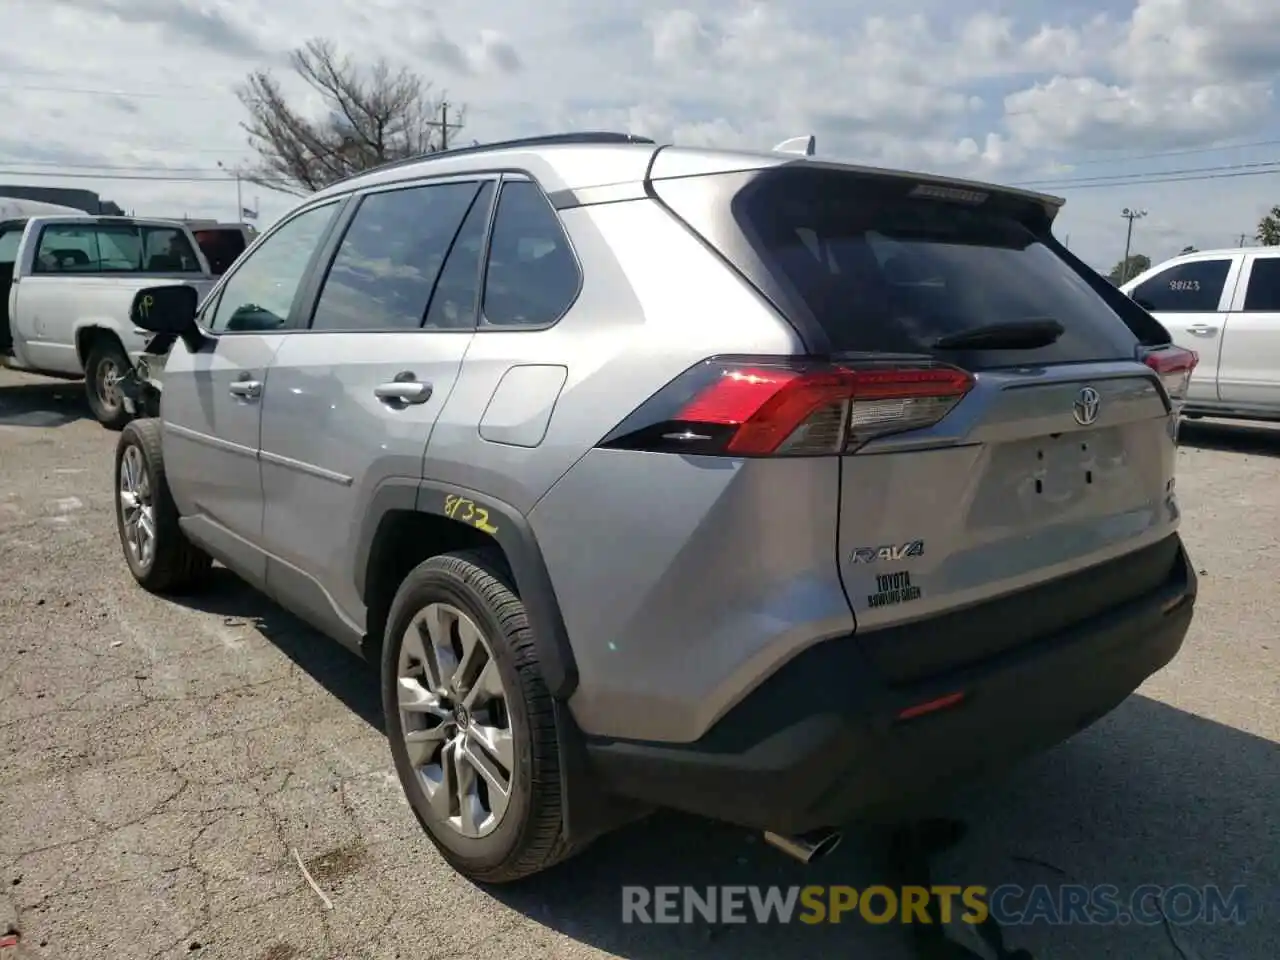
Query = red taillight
x=754 y=408
x=1173 y=365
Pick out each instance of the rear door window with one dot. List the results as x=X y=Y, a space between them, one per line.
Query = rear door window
x=881 y=269
x=1263 y=293
x=1194 y=287
x=67 y=248
x=532 y=275
x=220 y=246
x=114 y=248
x=386 y=267
x=167 y=250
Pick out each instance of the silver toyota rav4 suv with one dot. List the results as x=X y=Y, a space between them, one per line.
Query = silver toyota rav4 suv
x=771 y=489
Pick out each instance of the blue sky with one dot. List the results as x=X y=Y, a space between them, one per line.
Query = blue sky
x=1067 y=96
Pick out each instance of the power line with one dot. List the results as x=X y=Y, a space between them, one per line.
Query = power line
x=1190 y=175
x=129 y=167
x=115 y=136
x=1263 y=166
x=446 y=128
x=38 y=75
x=146 y=94
x=122 y=94
x=1192 y=179
x=1180 y=152
x=186 y=178
x=1144 y=176
x=273 y=184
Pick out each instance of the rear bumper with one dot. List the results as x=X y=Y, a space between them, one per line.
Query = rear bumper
x=821 y=742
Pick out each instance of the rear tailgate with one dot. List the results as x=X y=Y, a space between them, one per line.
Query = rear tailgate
x=1045 y=493
x=1010 y=513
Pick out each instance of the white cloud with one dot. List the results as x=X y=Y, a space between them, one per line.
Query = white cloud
x=1198 y=42
x=964 y=87
x=679 y=38
x=1086 y=113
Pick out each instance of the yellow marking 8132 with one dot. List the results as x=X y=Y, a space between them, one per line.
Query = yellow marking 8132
x=460 y=508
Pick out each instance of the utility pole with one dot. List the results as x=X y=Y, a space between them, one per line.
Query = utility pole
x=1130 y=215
x=1243 y=237
x=444 y=125
x=239 y=194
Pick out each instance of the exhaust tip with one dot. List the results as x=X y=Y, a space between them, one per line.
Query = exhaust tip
x=806 y=847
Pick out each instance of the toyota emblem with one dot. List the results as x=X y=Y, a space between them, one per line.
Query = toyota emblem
x=1086 y=406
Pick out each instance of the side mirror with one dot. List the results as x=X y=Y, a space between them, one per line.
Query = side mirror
x=168 y=310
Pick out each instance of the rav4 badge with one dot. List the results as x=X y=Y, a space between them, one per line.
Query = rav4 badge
x=890 y=551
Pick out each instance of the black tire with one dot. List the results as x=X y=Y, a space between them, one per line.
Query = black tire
x=528 y=839
x=106 y=354
x=174 y=564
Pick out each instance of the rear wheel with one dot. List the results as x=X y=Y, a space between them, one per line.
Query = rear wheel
x=105 y=367
x=160 y=556
x=471 y=724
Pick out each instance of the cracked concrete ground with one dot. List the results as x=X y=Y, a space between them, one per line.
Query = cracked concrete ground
x=160 y=762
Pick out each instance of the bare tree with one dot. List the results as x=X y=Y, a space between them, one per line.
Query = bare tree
x=370 y=116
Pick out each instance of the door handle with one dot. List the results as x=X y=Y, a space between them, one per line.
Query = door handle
x=404 y=389
x=246 y=388
x=1202 y=330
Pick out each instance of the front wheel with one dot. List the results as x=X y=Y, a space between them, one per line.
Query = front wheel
x=470 y=720
x=105 y=367
x=160 y=556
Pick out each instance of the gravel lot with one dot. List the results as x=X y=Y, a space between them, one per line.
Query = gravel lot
x=160 y=764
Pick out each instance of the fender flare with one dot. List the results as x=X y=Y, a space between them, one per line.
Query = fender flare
x=511 y=531
x=92 y=327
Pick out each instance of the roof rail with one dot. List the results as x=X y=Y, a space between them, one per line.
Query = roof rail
x=545 y=140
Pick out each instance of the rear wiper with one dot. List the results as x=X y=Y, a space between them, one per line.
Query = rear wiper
x=1016 y=335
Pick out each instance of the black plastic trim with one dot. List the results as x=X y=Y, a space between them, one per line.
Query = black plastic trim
x=395 y=493
x=821 y=743
x=912 y=652
x=308 y=295
x=516 y=538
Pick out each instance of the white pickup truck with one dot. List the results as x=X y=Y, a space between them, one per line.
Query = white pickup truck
x=70 y=281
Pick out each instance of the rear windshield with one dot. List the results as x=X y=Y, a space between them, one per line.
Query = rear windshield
x=882 y=271
x=220 y=247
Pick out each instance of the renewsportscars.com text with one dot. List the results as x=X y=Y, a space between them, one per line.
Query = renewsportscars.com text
x=1008 y=905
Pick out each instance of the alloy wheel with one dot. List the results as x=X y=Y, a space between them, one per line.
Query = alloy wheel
x=454 y=714
x=137 y=510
